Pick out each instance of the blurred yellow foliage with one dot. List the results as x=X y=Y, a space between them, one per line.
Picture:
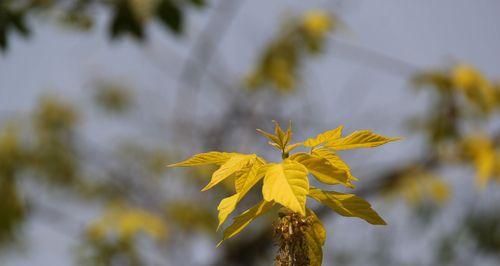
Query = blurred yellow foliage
x=126 y=222
x=317 y=23
x=466 y=76
x=418 y=186
x=113 y=97
x=480 y=150
x=191 y=215
x=466 y=80
x=11 y=153
x=12 y=209
x=54 y=115
x=475 y=86
x=281 y=59
x=54 y=154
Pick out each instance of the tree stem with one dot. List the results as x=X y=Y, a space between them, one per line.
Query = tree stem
x=289 y=234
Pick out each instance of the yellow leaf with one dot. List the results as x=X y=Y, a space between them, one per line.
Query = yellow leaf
x=249 y=177
x=271 y=137
x=315 y=237
x=287 y=184
x=334 y=160
x=213 y=157
x=324 y=137
x=279 y=139
x=245 y=180
x=233 y=165
x=243 y=220
x=347 y=205
x=322 y=169
x=291 y=147
x=359 y=139
x=280 y=134
x=226 y=207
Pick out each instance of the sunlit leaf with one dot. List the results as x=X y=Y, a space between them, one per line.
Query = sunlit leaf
x=324 y=137
x=359 y=139
x=243 y=220
x=230 y=167
x=249 y=177
x=213 y=157
x=244 y=181
x=226 y=207
x=322 y=169
x=287 y=184
x=334 y=160
x=347 y=205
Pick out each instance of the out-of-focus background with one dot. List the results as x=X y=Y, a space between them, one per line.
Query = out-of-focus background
x=98 y=96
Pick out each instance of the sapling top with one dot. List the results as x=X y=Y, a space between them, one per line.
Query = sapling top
x=286 y=183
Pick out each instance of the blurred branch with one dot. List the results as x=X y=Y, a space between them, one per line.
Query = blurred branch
x=201 y=54
x=374 y=59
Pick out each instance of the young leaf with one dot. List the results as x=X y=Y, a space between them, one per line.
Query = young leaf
x=234 y=164
x=291 y=147
x=322 y=169
x=243 y=220
x=348 y=205
x=359 y=139
x=324 y=137
x=213 y=157
x=271 y=137
x=280 y=139
x=287 y=184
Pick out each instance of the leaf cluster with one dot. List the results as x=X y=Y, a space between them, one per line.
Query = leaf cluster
x=287 y=183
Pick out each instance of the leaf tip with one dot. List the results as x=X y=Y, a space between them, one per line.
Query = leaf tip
x=207 y=187
x=381 y=222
